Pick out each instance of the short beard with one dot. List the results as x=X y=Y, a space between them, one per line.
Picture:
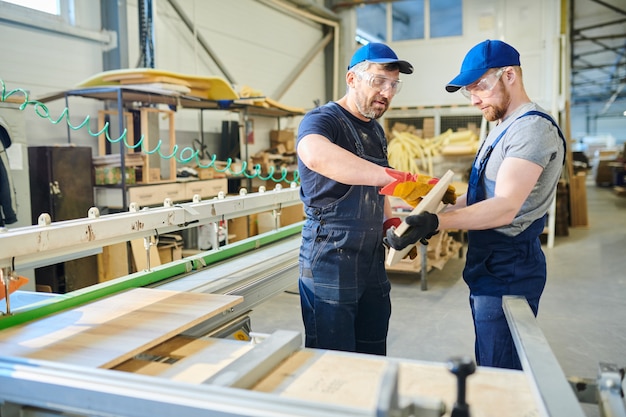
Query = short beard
x=497 y=112
x=367 y=111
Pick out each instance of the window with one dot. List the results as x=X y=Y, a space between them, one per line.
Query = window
x=47 y=6
x=371 y=23
x=446 y=18
x=410 y=19
x=407 y=20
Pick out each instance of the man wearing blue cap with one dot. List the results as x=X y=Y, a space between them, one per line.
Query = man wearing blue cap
x=512 y=184
x=342 y=161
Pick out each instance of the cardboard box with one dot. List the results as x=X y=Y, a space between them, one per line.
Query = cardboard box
x=287 y=138
x=170 y=247
x=154 y=174
x=238 y=229
x=205 y=173
x=169 y=253
x=428 y=127
x=112 y=175
x=292 y=214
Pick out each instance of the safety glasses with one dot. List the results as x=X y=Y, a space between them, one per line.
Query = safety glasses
x=380 y=83
x=484 y=86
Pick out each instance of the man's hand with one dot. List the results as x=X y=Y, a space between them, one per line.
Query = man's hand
x=413 y=187
x=422 y=227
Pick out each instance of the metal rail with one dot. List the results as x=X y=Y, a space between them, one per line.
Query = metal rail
x=547 y=379
x=48 y=239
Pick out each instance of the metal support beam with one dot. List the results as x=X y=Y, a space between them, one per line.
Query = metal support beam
x=205 y=45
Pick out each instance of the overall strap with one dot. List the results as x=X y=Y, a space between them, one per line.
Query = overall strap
x=478 y=169
x=558 y=129
x=348 y=126
x=487 y=154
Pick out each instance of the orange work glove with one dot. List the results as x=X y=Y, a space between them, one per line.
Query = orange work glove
x=412 y=187
x=14 y=284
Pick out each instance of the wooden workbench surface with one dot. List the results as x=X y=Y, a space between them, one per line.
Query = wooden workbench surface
x=342 y=378
x=139 y=331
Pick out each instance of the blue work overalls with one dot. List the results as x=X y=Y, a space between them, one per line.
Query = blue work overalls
x=344 y=289
x=498 y=265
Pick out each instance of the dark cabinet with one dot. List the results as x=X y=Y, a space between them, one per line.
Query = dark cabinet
x=61 y=184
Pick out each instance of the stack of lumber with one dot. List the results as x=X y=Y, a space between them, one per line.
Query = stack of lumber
x=257 y=98
x=205 y=87
x=411 y=153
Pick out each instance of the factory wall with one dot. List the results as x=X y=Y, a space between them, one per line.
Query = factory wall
x=529 y=26
x=259 y=46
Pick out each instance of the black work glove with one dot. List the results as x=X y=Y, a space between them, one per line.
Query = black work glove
x=422 y=227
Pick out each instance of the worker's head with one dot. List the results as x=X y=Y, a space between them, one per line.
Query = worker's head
x=491 y=78
x=379 y=53
x=373 y=79
x=487 y=57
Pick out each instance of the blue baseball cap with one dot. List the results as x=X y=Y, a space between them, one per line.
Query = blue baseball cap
x=482 y=57
x=379 y=53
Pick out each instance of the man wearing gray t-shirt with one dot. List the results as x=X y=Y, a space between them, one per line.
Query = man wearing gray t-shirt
x=512 y=184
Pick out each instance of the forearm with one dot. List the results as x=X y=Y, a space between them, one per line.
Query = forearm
x=336 y=163
x=487 y=214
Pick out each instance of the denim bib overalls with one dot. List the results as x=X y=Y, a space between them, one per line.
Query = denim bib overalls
x=498 y=265
x=344 y=289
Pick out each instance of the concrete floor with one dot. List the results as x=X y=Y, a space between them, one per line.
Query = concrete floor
x=582 y=313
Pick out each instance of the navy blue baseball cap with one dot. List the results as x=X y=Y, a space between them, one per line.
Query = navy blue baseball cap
x=379 y=53
x=482 y=57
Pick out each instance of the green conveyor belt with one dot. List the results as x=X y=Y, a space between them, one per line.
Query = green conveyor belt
x=144 y=278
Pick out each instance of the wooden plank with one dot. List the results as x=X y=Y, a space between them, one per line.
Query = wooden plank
x=341 y=378
x=431 y=202
x=578 y=200
x=188 y=360
x=112 y=330
x=207 y=87
x=354 y=380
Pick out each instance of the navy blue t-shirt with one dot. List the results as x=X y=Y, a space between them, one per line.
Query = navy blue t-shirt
x=317 y=190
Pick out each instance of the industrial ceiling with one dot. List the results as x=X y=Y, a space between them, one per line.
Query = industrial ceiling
x=598 y=55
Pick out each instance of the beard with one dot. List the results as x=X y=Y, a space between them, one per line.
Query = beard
x=494 y=113
x=371 y=109
x=498 y=111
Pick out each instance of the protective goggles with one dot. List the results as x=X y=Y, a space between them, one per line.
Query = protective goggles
x=380 y=83
x=483 y=86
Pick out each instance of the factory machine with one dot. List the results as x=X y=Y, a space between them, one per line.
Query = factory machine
x=175 y=339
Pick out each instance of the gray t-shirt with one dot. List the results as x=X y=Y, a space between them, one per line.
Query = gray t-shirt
x=534 y=139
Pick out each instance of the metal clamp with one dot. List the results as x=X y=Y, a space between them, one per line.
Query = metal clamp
x=147 y=243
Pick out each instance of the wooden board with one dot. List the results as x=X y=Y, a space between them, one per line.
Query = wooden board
x=112 y=330
x=341 y=378
x=210 y=88
x=354 y=380
x=431 y=202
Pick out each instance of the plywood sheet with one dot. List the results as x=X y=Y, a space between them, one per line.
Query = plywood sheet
x=206 y=87
x=110 y=331
x=431 y=202
x=344 y=379
x=186 y=359
x=354 y=381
